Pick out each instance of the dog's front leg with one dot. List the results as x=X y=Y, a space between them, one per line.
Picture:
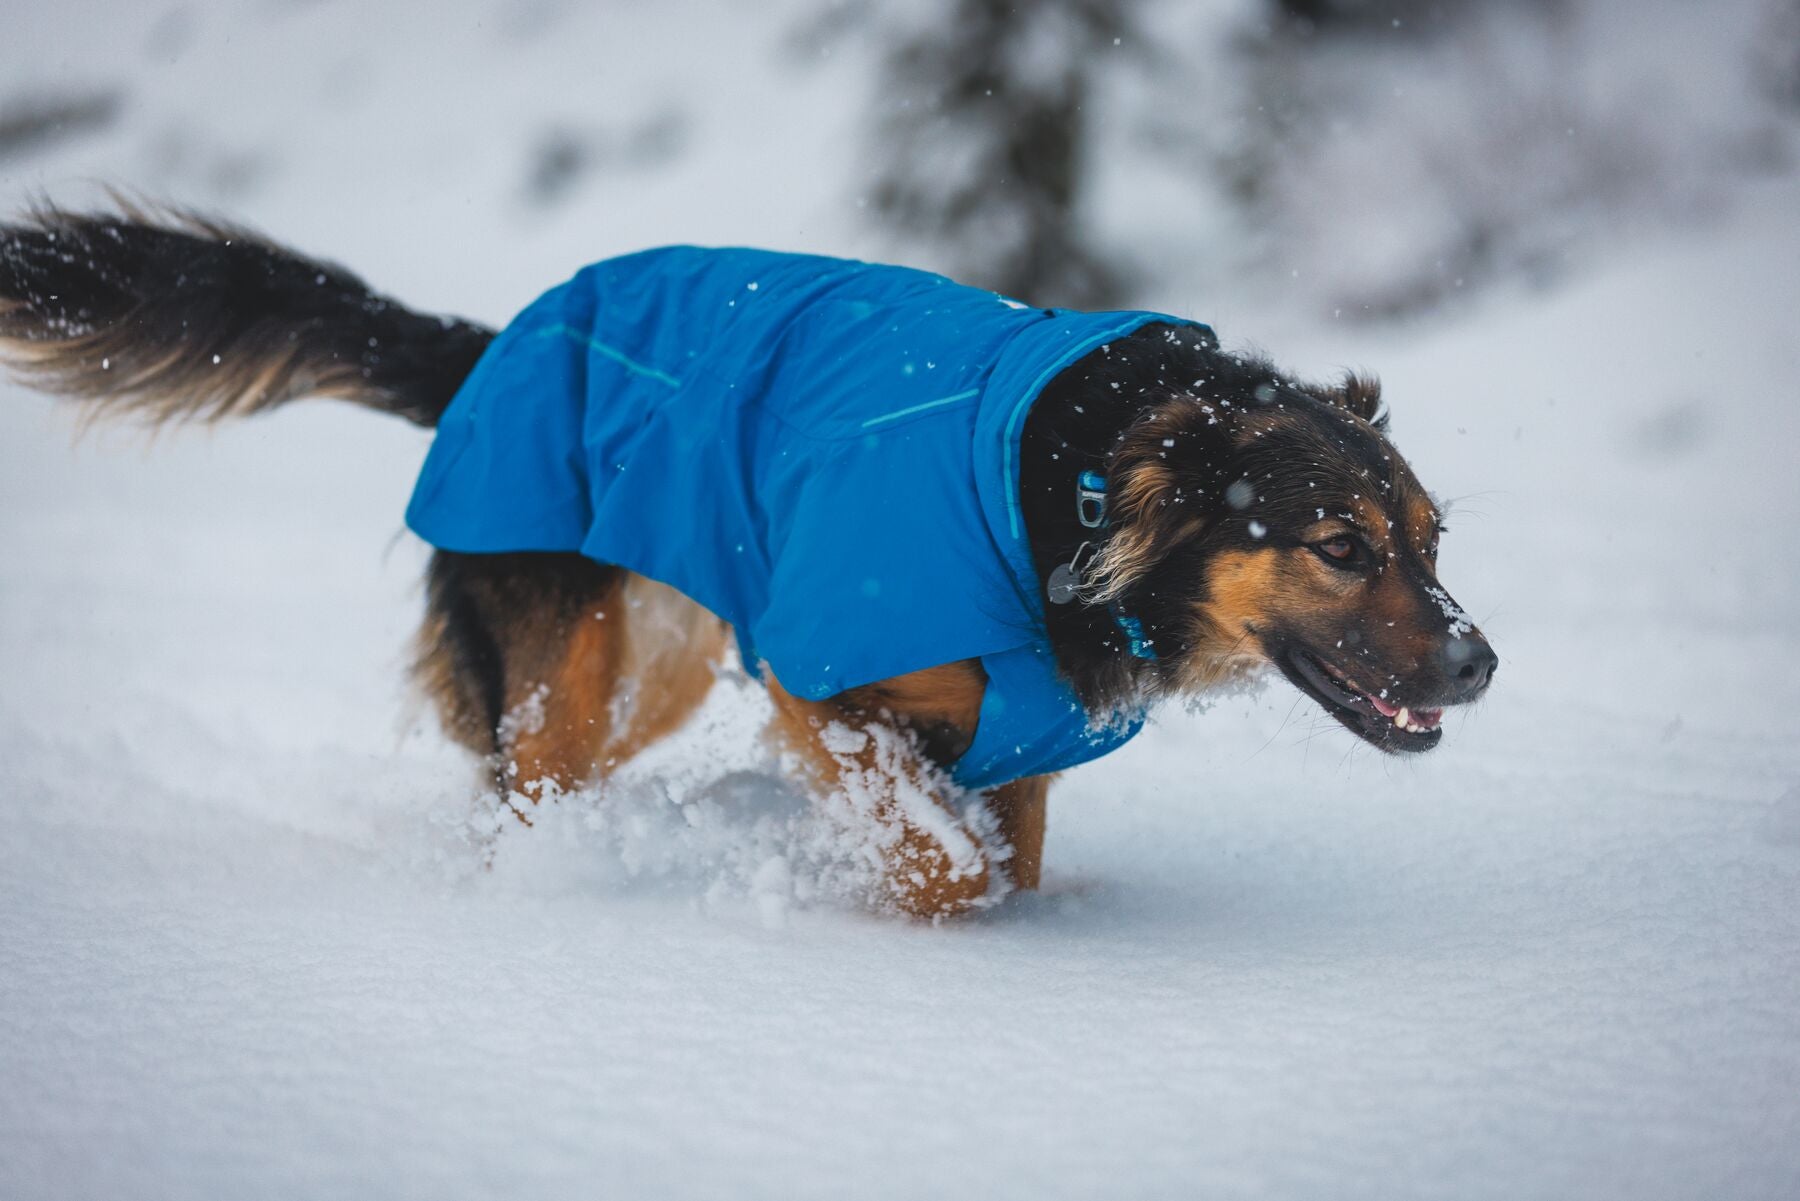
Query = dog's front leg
x=876 y=776
x=1019 y=809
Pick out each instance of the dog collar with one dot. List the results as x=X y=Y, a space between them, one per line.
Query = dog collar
x=1065 y=580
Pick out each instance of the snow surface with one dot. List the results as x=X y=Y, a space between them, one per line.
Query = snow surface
x=248 y=947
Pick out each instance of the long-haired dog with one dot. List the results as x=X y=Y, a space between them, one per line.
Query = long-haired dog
x=1183 y=516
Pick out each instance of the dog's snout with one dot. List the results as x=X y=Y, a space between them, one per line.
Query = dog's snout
x=1469 y=663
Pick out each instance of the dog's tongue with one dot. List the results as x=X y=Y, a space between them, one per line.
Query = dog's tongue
x=1382 y=707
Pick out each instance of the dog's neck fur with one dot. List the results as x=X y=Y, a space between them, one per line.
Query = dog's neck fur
x=1074 y=426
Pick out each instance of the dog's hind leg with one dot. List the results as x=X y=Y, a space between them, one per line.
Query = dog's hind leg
x=868 y=749
x=669 y=654
x=558 y=669
x=503 y=635
x=623 y=670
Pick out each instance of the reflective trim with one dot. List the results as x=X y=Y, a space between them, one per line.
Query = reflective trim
x=920 y=408
x=617 y=356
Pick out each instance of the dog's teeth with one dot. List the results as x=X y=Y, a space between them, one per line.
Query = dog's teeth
x=1403 y=719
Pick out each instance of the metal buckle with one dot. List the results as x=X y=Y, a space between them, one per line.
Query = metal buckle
x=1090 y=500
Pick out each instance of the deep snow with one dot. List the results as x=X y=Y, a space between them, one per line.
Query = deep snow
x=247 y=947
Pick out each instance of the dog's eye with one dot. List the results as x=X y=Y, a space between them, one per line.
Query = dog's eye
x=1342 y=551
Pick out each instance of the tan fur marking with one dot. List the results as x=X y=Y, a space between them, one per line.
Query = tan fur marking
x=941 y=704
x=1142 y=492
x=1421 y=522
x=558 y=724
x=1243 y=587
x=671 y=652
x=1374 y=521
x=581 y=699
x=1145 y=486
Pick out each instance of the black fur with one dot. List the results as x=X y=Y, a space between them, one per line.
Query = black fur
x=1253 y=519
x=466 y=640
x=175 y=315
x=1074 y=426
x=1180 y=397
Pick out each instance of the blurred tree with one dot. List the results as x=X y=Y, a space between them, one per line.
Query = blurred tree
x=1308 y=17
x=982 y=140
x=1317 y=13
x=1777 y=52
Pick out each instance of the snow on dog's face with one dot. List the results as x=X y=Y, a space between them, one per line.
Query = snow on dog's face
x=1273 y=523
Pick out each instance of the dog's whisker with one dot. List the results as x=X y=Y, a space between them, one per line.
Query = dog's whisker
x=1284 y=721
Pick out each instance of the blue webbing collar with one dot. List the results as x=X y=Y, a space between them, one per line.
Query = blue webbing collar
x=1065 y=582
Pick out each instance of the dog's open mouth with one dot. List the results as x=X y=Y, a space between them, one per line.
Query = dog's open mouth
x=1373 y=717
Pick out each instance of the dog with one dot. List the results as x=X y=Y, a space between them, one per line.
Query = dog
x=964 y=543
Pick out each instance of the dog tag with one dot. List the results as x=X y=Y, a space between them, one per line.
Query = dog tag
x=1063 y=585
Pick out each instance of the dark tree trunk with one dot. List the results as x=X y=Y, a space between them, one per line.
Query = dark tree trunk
x=982 y=142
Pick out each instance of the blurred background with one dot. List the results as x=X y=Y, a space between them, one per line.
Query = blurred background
x=252 y=944
x=1377 y=160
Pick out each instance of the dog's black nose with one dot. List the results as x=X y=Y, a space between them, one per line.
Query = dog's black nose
x=1469 y=663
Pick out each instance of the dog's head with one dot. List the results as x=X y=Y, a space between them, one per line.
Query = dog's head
x=1256 y=520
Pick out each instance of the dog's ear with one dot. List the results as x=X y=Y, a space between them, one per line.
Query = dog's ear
x=1357 y=393
x=1164 y=484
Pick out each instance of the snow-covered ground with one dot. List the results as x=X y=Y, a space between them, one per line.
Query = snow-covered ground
x=246 y=948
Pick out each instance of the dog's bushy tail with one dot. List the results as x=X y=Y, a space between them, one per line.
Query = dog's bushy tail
x=175 y=316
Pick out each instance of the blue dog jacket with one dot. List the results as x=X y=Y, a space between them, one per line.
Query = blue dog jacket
x=822 y=452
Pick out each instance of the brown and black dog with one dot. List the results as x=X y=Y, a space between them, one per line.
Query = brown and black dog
x=1254 y=520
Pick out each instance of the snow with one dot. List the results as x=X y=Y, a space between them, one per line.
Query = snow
x=253 y=946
